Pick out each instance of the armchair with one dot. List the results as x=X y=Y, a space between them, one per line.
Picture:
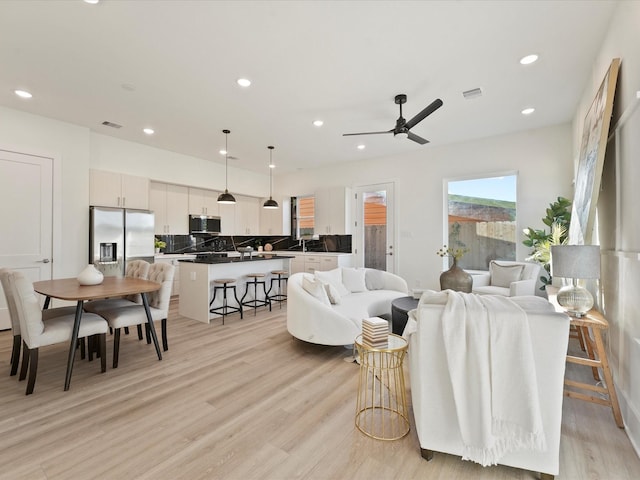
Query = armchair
x=508 y=278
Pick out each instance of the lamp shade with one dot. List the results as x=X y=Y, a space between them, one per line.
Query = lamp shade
x=575 y=261
x=271 y=203
x=226 y=198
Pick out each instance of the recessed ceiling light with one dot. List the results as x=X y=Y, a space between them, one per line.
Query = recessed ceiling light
x=23 y=94
x=361 y=146
x=92 y=2
x=272 y=165
x=318 y=123
x=528 y=111
x=243 y=82
x=148 y=131
x=223 y=151
x=529 y=59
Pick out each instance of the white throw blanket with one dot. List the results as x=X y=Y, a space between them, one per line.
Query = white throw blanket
x=492 y=370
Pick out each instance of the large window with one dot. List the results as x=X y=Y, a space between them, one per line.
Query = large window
x=481 y=217
x=303 y=216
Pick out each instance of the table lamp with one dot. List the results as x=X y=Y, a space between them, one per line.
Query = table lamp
x=577 y=262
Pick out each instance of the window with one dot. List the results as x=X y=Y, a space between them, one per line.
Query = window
x=303 y=215
x=481 y=216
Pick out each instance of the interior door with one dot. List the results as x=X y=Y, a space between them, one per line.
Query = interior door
x=26 y=216
x=375 y=227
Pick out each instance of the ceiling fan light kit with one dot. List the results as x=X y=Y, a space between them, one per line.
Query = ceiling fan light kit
x=226 y=198
x=403 y=127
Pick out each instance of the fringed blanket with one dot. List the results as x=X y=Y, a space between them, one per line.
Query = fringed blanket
x=492 y=370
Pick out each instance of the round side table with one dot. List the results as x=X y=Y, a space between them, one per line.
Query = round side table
x=399 y=309
x=381 y=410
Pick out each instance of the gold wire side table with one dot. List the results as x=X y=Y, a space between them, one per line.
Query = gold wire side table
x=381 y=410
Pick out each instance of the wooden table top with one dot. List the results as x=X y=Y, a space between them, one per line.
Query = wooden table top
x=70 y=289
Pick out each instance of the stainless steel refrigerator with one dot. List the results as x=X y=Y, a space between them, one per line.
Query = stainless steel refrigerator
x=118 y=235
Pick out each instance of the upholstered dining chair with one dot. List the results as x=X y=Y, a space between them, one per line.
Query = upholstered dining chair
x=135 y=269
x=129 y=315
x=36 y=333
x=7 y=287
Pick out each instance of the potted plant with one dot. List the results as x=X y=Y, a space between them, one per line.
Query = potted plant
x=158 y=244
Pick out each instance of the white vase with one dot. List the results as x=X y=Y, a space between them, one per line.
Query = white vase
x=90 y=276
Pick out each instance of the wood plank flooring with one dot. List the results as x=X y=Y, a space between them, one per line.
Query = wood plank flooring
x=239 y=401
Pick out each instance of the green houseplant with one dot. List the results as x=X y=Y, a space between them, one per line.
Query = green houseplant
x=558 y=218
x=158 y=244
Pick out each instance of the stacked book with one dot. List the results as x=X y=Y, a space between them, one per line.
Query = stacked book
x=374 y=332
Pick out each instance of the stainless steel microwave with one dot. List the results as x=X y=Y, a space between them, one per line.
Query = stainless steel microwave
x=204 y=224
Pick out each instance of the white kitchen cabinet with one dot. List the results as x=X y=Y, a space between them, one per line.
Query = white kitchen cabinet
x=275 y=221
x=247 y=215
x=170 y=203
x=203 y=202
x=227 y=218
x=333 y=211
x=110 y=189
x=310 y=262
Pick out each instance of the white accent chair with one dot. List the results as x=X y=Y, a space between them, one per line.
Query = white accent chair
x=508 y=278
x=15 y=322
x=434 y=409
x=129 y=315
x=318 y=320
x=36 y=333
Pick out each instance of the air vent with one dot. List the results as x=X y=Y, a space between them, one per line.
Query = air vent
x=111 y=124
x=231 y=157
x=473 y=93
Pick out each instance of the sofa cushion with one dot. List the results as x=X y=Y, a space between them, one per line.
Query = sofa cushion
x=334 y=277
x=316 y=289
x=332 y=293
x=374 y=279
x=353 y=279
x=502 y=274
x=357 y=306
x=492 y=290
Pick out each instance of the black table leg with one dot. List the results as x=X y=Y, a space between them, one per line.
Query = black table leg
x=74 y=343
x=145 y=302
x=47 y=300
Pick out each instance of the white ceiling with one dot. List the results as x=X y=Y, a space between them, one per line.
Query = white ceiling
x=341 y=61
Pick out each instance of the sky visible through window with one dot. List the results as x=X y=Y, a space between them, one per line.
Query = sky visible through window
x=497 y=188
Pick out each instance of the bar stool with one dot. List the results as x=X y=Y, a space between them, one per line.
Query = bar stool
x=225 y=309
x=256 y=302
x=278 y=297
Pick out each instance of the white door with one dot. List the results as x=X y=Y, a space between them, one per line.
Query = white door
x=374 y=234
x=26 y=218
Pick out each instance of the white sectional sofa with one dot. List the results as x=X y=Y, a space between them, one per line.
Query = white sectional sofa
x=357 y=293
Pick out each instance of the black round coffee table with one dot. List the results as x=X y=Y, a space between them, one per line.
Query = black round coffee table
x=399 y=309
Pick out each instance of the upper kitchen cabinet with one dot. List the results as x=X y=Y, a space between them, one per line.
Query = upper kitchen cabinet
x=333 y=211
x=227 y=218
x=247 y=218
x=275 y=221
x=170 y=203
x=203 y=202
x=109 y=189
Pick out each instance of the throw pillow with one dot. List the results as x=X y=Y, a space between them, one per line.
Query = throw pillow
x=353 y=279
x=316 y=289
x=374 y=279
x=332 y=294
x=502 y=274
x=334 y=277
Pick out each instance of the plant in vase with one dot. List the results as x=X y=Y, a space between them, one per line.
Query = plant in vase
x=158 y=244
x=455 y=278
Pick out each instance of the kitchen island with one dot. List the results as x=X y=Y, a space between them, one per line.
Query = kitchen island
x=197 y=275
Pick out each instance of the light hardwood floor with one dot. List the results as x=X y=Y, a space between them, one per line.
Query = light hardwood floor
x=239 y=401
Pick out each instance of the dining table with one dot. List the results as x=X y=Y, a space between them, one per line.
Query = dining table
x=71 y=290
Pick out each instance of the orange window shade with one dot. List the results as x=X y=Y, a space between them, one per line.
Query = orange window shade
x=375 y=214
x=306 y=212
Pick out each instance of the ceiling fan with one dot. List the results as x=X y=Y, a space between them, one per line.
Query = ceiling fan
x=401 y=130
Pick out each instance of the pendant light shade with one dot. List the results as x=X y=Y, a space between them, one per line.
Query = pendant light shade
x=226 y=197
x=271 y=203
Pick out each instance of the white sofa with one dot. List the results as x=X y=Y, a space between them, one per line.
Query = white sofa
x=507 y=278
x=432 y=395
x=314 y=320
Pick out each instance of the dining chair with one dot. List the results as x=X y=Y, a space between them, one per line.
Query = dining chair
x=7 y=287
x=36 y=333
x=129 y=315
x=135 y=269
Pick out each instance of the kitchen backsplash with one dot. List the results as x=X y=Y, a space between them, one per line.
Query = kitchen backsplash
x=222 y=243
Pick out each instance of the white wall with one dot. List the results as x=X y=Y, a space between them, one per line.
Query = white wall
x=541 y=158
x=619 y=228
x=76 y=149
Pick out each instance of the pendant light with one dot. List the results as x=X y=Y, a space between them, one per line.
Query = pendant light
x=226 y=197
x=271 y=203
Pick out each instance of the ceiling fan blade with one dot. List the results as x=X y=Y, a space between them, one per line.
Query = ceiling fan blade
x=366 y=133
x=436 y=104
x=416 y=138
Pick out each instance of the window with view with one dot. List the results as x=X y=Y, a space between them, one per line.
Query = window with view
x=303 y=212
x=481 y=218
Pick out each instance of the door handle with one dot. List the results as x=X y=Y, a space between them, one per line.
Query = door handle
x=44 y=260
x=390 y=253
